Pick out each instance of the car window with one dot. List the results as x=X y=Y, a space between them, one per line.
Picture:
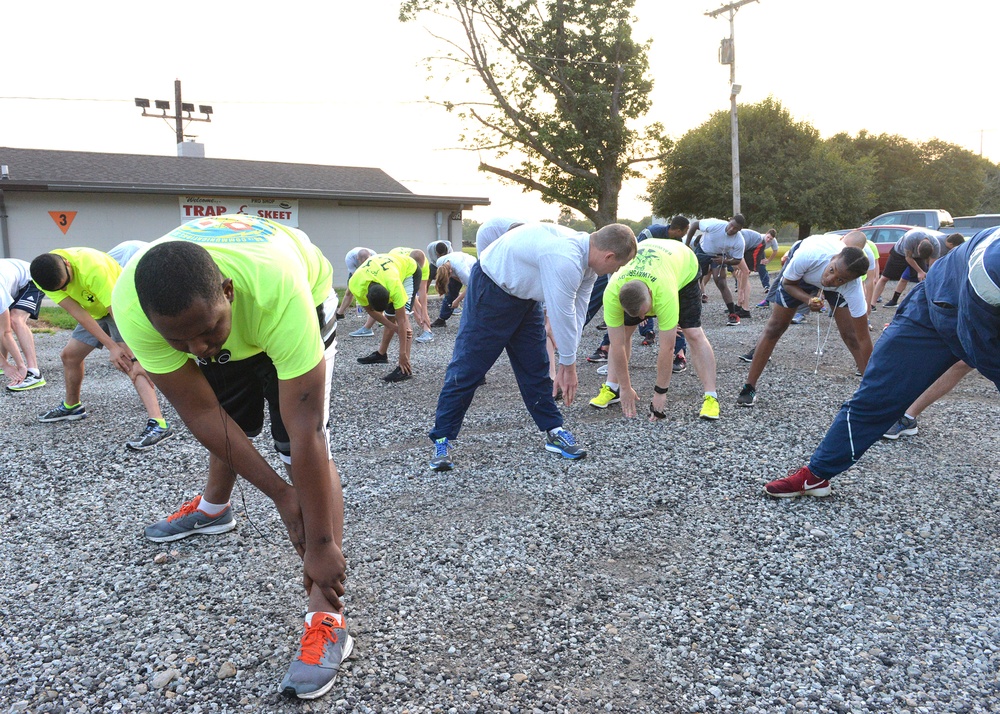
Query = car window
x=886 y=219
x=917 y=219
x=889 y=235
x=981 y=222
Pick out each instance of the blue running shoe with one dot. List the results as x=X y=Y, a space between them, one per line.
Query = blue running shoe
x=441 y=460
x=560 y=441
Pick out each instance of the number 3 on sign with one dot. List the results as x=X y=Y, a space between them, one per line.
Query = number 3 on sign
x=63 y=219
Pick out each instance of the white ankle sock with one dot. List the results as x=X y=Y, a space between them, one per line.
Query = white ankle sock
x=212 y=509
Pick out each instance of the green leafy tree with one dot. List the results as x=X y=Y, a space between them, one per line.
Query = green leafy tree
x=989 y=199
x=566 y=87
x=469 y=230
x=787 y=173
x=897 y=164
x=953 y=178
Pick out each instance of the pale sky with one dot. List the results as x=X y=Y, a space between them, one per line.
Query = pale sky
x=343 y=83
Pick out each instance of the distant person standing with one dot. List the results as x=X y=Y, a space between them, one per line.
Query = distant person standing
x=453 y=273
x=386 y=287
x=916 y=249
x=721 y=245
x=532 y=264
x=953 y=316
x=436 y=249
x=661 y=281
x=353 y=260
x=80 y=280
x=817 y=267
x=19 y=299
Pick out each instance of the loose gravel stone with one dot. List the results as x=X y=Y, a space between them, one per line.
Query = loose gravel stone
x=651 y=576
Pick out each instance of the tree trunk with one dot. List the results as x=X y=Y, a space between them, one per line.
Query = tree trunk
x=805 y=230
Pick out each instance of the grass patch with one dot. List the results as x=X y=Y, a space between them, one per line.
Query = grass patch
x=51 y=319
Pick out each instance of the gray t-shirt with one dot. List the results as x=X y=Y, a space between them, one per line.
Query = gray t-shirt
x=912 y=238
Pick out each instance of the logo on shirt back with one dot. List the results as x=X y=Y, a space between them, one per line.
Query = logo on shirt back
x=225 y=230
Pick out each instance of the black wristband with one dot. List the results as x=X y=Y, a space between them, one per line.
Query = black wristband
x=660 y=390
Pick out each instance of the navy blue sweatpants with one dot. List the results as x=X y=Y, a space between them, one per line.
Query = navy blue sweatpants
x=907 y=359
x=494 y=321
x=451 y=294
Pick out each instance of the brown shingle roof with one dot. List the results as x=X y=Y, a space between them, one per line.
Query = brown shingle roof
x=43 y=169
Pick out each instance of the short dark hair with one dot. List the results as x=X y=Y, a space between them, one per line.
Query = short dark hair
x=925 y=249
x=679 y=223
x=771 y=232
x=441 y=249
x=48 y=271
x=170 y=276
x=378 y=297
x=740 y=220
x=855 y=261
x=955 y=239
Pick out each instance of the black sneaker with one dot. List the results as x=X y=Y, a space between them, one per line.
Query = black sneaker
x=733 y=320
x=397 y=375
x=748 y=357
x=748 y=395
x=892 y=303
x=374 y=358
x=680 y=364
x=602 y=326
x=439 y=323
x=741 y=313
x=598 y=356
x=649 y=339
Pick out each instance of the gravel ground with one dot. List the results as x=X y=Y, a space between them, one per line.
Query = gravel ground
x=652 y=576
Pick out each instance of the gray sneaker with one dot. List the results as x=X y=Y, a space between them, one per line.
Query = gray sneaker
x=904 y=427
x=64 y=413
x=324 y=646
x=189 y=521
x=152 y=435
x=425 y=336
x=561 y=441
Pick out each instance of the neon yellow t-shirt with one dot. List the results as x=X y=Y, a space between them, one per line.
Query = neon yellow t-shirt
x=279 y=278
x=425 y=272
x=94 y=277
x=388 y=270
x=665 y=266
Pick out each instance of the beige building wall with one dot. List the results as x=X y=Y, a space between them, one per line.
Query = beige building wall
x=102 y=221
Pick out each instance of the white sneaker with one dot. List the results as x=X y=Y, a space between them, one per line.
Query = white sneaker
x=363 y=332
x=603 y=369
x=425 y=336
x=29 y=382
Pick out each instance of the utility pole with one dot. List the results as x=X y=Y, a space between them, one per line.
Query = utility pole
x=727 y=55
x=182 y=111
